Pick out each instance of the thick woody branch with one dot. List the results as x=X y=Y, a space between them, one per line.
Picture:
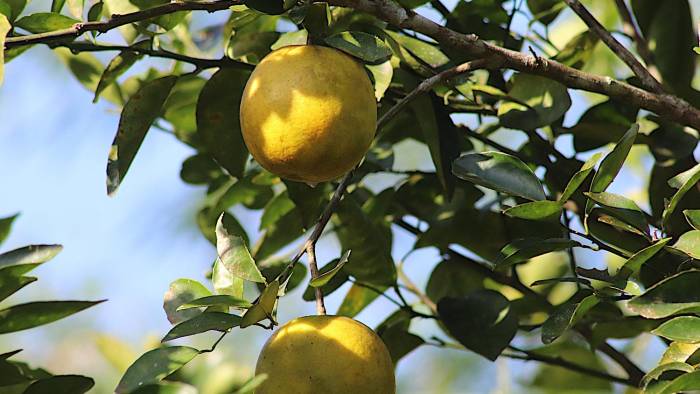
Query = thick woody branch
x=665 y=105
x=119 y=20
x=200 y=63
x=623 y=53
x=631 y=29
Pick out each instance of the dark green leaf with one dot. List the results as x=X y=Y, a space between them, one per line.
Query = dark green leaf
x=602 y=124
x=682 y=329
x=234 y=254
x=622 y=208
x=11 y=279
x=566 y=316
x=482 y=321
x=17 y=6
x=181 y=292
x=308 y=200
x=116 y=67
x=669 y=143
x=6 y=223
x=683 y=182
x=357 y=298
x=545 y=11
x=395 y=335
x=366 y=47
x=199 y=169
x=317 y=20
x=32 y=254
x=424 y=51
x=523 y=249
x=217 y=119
x=273 y=266
x=87 y=69
x=675 y=295
x=153 y=366
x=207 y=321
x=689 y=243
x=612 y=163
x=682 y=384
x=95 y=12
x=501 y=172
x=32 y=314
x=61 y=384
x=537 y=102
x=216 y=300
x=370 y=243
x=536 y=210
x=264 y=306
x=326 y=277
x=579 y=50
x=578 y=178
x=272 y=7
x=663 y=368
x=553 y=379
x=333 y=284
x=452 y=278
x=138 y=114
x=43 y=22
x=634 y=263
x=693 y=217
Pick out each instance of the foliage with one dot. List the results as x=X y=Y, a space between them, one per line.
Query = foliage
x=507 y=205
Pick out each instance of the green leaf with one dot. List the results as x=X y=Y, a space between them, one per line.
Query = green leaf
x=250 y=386
x=324 y=278
x=691 y=215
x=200 y=170
x=452 y=278
x=273 y=266
x=116 y=67
x=684 y=383
x=271 y=7
x=217 y=119
x=180 y=292
x=167 y=387
x=678 y=352
x=308 y=200
x=622 y=208
x=537 y=102
x=317 y=21
x=95 y=12
x=566 y=316
x=277 y=208
x=683 y=182
x=32 y=314
x=57 y=6
x=357 y=298
x=216 y=300
x=674 y=295
x=689 y=243
x=4 y=29
x=370 y=243
x=17 y=6
x=225 y=283
x=602 y=124
x=234 y=254
x=482 y=321
x=333 y=284
x=681 y=329
x=634 y=263
x=61 y=384
x=264 y=306
x=153 y=366
x=6 y=223
x=207 y=321
x=290 y=38
x=612 y=163
x=11 y=279
x=424 y=51
x=76 y=8
x=366 y=47
x=139 y=112
x=579 y=50
x=500 y=172
x=32 y=254
x=43 y=22
x=523 y=249
x=663 y=368
x=395 y=335
x=578 y=178
x=536 y=210
x=87 y=69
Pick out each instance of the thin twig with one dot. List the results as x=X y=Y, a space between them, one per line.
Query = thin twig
x=560 y=362
x=199 y=63
x=631 y=29
x=623 y=53
x=119 y=20
x=410 y=286
x=311 y=253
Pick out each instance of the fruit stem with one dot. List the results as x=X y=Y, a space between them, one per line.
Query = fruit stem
x=311 y=253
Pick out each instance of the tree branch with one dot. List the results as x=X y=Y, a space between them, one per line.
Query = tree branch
x=664 y=105
x=119 y=20
x=631 y=29
x=623 y=53
x=311 y=253
x=202 y=64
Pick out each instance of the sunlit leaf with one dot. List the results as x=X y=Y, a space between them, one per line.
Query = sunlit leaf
x=675 y=295
x=43 y=22
x=32 y=254
x=181 y=292
x=680 y=329
x=622 y=208
x=262 y=308
x=234 y=254
x=683 y=182
x=536 y=210
x=207 y=321
x=537 y=102
x=358 y=298
x=324 y=278
x=526 y=248
x=216 y=300
x=692 y=216
x=366 y=47
x=689 y=243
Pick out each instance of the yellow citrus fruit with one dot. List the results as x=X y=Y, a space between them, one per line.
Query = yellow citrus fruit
x=325 y=354
x=308 y=113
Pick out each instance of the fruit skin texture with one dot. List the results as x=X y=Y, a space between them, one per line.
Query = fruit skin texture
x=308 y=113
x=325 y=355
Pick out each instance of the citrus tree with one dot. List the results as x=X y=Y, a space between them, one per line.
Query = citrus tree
x=515 y=179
